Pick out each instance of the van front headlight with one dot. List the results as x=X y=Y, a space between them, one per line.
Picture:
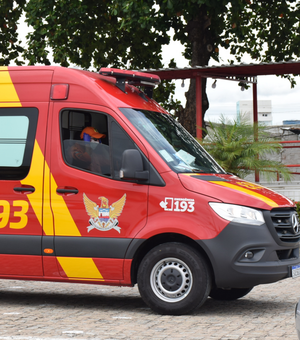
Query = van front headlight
x=238 y=213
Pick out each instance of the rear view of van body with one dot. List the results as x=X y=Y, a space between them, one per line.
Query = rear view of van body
x=144 y=204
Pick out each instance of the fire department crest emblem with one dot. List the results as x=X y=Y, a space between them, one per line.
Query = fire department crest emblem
x=104 y=217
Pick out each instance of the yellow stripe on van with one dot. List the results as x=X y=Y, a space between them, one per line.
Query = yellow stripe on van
x=35 y=179
x=249 y=192
x=80 y=267
x=63 y=221
x=48 y=223
x=61 y=218
x=8 y=93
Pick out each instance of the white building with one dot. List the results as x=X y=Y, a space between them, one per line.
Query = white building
x=264 y=108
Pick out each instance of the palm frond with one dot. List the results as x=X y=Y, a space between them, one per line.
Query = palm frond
x=240 y=151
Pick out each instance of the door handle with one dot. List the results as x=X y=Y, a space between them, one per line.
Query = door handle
x=66 y=191
x=25 y=189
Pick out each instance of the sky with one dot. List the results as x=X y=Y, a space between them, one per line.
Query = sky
x=223 y=99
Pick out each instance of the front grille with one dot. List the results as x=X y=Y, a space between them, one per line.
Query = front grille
x=288 y=254
x=283 y=224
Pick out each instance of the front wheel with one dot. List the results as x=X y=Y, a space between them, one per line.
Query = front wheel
x=228 y=294
x=174 y=279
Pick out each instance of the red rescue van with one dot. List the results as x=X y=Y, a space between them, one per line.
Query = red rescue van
x=144 y=204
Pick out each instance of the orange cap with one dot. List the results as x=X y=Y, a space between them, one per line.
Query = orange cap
x=91 y=132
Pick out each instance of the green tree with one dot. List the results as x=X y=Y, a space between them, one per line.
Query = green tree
x=235 y=148
x=10 y=47
x=131 y=33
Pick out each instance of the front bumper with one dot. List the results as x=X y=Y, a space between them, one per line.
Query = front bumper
x=271 y=261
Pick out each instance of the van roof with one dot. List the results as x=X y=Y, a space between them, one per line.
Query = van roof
x=84 y=86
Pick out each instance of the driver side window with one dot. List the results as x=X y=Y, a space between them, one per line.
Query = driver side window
x=80 y=150
x=85 y=141
x=120 y=142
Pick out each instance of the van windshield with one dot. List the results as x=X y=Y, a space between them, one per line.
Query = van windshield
x=173 y=143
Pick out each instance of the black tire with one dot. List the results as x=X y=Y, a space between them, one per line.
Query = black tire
x=228 y=294
x=174 y=279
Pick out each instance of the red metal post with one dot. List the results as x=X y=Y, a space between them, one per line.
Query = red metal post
x=199 y=107
x=255 y=120
x=255 y=114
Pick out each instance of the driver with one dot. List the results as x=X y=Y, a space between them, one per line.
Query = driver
x=90 y=134
x=86 y=156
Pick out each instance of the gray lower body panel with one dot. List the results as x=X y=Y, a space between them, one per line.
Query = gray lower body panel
x=266 y=261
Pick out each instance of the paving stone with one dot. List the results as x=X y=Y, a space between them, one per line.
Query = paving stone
x=61 y=311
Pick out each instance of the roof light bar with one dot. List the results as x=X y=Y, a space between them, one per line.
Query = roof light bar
x=132 y=77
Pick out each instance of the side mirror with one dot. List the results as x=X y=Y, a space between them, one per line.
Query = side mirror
x=132 y=166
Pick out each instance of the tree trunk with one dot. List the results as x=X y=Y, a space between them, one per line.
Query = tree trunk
x=201 y=41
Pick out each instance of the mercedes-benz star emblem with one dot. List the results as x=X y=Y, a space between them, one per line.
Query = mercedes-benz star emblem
x=295 y=223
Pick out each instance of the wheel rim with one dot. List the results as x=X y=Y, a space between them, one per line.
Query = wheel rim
x=171 y=280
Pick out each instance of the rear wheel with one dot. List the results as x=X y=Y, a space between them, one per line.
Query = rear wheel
x=174 y=279
x=228 y=294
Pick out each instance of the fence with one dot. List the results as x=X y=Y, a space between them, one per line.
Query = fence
x=288 y=189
